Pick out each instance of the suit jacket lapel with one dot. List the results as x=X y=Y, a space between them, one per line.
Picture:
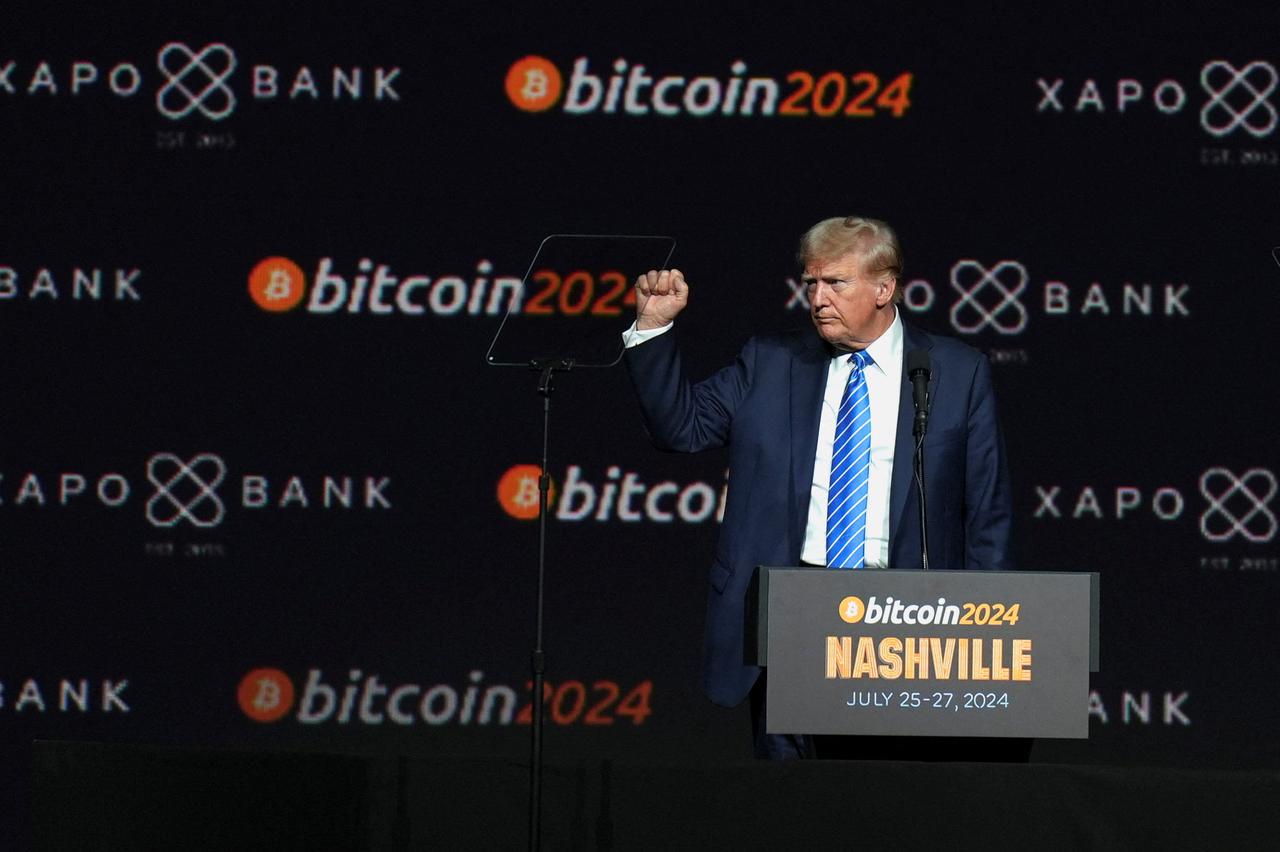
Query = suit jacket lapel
x=808 y=383
x=904 y=444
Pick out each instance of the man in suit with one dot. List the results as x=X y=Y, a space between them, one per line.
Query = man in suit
x=786 y=407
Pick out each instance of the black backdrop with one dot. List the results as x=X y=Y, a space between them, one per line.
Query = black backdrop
x=1089 y=198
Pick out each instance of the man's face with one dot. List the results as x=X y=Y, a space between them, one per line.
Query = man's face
x=848 y=308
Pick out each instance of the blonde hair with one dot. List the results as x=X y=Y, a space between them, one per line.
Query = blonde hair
x=872 y=240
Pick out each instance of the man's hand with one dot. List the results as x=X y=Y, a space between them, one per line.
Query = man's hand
x=659 y=297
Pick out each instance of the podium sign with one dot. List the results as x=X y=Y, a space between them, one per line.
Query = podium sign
x=928 y=653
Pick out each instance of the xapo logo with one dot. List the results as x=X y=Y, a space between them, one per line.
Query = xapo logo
x=1237 y=505
x=277 y=284
x=81 y=284
x=1002 y=311
x=195 y=491
x=201 y=506
x=1001 y=297
x=1236 y=97
x=620 y=496
x=198 y=80
x=535 y=84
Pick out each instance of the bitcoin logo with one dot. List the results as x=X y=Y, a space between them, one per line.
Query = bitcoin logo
x=518 y=491
x=265 y=695
x=852 y=609
x=526 y=493
x=279 y=287
x=534 y=84
x=276 y=284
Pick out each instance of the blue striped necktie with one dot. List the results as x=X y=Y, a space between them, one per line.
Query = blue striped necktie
x=850 y=470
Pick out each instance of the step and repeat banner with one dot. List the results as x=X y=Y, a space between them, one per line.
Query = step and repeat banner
x=259 y=488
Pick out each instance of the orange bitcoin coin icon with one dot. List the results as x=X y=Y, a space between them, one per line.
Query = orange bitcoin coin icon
x=534 y=84
x=852 y=609
x=518 y=491
x=276 y=284
x=265 y=695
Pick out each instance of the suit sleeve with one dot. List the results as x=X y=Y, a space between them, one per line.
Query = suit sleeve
x=680 y=415
x=988 y=510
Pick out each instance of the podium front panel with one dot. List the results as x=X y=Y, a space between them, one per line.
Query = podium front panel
x=928 y=653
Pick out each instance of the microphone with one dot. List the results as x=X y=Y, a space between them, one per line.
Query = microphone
x=919 y=373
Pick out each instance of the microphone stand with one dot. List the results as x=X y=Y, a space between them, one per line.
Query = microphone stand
x=918 y=430
x=537 y=659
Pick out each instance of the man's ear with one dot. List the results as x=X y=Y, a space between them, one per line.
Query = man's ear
x=885 y=295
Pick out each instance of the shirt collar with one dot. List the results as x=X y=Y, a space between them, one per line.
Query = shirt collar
x=887 y=348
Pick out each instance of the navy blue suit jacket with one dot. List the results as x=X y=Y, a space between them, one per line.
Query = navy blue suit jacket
x=765 y=407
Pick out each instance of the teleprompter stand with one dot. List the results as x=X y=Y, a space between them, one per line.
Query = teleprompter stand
x=565 y=315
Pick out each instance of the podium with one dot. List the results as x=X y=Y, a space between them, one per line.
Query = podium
x=925 y=653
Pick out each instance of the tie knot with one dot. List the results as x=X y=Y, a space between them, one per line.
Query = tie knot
x=860 y=360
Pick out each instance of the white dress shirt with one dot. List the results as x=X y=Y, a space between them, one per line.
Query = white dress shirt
x=634 y=336
x=884 y=385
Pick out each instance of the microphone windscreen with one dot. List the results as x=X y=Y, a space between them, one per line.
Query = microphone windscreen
x=917 y=359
